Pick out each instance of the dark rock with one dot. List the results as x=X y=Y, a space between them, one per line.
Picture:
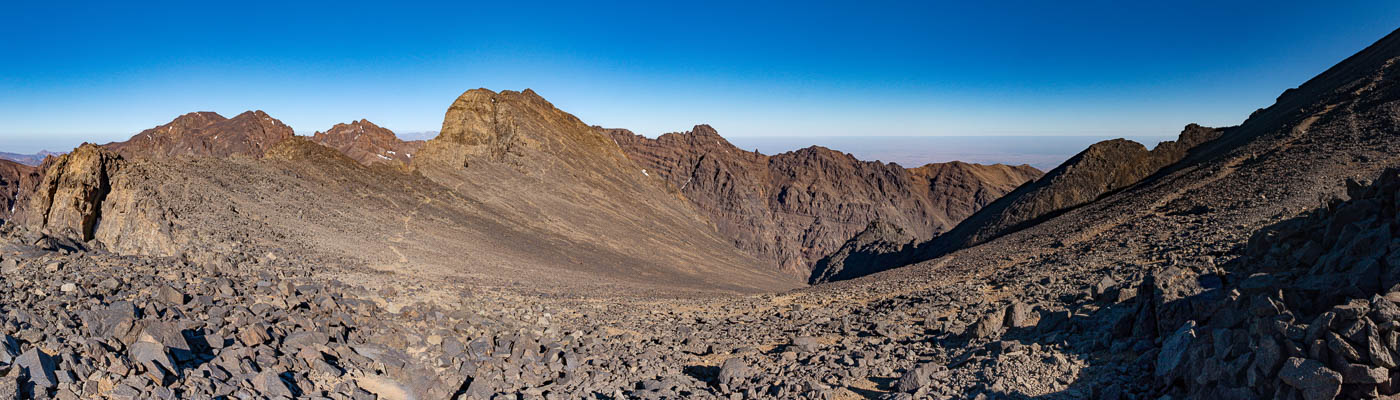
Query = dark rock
x=733 y=371
x=159 y=365
x=1310 y=377
x=39 y=366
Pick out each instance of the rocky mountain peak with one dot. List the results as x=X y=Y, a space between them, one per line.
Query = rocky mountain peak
x=196 y=119
x=519 y=129
x=535 y=165
x=207 y=134
x=368 y=143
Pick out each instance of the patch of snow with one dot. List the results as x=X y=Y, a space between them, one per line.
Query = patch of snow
x=382 y=156
x=644 y=172
x=391 y=152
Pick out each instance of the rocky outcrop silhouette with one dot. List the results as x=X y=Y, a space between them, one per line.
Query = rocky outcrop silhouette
x=207 y=134
x=368 y=143
x=795 y=208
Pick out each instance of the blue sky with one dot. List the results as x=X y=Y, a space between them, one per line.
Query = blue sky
x=101 y=72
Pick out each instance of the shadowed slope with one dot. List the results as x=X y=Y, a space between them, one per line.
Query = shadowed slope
x=1102 y=168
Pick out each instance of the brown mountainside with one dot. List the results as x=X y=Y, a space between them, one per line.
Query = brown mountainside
x=515 y=193
x=207 y=134
x=368 y=143
x=797 y=207
x=16 y=182
x=544 y=169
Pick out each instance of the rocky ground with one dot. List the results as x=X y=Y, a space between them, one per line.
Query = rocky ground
x=82 y=324
x=86 y=323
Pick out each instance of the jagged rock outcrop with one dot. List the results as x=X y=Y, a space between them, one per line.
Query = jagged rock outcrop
x=91 y=195
x=368 y=143
x=1104 y=167
x=207 y=134
x=17 y=181
x=797 y=207
x=68 y=200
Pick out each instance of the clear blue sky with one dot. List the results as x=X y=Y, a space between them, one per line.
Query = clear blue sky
x=101 y=72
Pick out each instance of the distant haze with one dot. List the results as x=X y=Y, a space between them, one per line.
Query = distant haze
x=1042 y=152
x=428 y=135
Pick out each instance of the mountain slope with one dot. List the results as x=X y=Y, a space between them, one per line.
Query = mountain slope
x=557 y=209
x=368 y=143
x=797 y=207
x=207 y=134
x=1151 y=285
x=543 y=169
x=1101 y=169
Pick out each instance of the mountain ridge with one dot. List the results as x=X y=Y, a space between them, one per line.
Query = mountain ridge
x=368 y=143
x=796 y=207
x=207 y=133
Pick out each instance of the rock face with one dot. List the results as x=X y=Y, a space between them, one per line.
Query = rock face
x=16 y=182
x=207 y=134
x=69 y=199
x=91 y=194
x=797 y=207
x=368 y=143
x=1102 y=168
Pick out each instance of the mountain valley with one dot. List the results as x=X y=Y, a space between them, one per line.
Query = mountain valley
x=522 y=253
